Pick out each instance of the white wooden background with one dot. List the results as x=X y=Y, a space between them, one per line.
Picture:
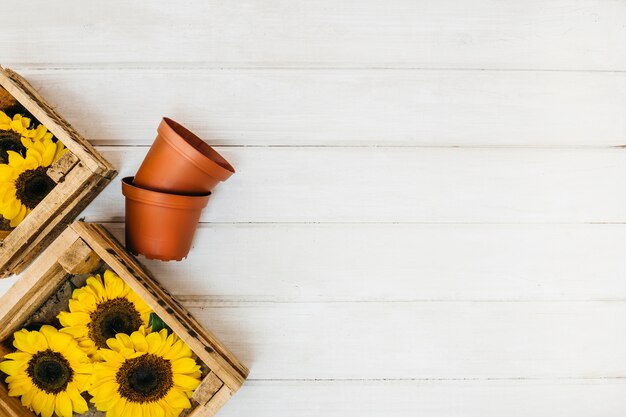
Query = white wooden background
x=428 y=217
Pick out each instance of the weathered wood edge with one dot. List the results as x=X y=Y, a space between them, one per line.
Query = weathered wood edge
x=28 y=293
x=209 y=350
x=26 y=94
x=66 y=201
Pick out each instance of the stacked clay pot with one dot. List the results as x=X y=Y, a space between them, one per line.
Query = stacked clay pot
x=165 y=198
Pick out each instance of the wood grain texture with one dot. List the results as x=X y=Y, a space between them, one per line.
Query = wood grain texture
x=405 y=340
x=533 y=34
x=341 y=107
x=357 y=261
x=517 y=398
x=398 y=262
x=402 y=185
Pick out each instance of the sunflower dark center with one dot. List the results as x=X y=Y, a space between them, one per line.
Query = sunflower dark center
x=112 y=317
x=50 y=371
x=146 y=378
x=32 y=186
x=10 y=141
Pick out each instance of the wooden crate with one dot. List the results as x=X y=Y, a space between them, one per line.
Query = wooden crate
x=83 y=248
x=80 y=174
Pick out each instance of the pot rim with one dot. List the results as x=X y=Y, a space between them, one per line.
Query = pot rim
x=194 y=149
x=156 y=198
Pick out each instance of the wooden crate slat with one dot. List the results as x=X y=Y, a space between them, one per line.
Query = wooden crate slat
x=82 y=248
x=135 y=276
x=12 y=406
x=207 y=388
x=25 y=296
x=197 y=327
x=38 y=107
x=80 y=174
x=52 y=215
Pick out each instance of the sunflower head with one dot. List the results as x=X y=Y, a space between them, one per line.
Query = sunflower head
x=24 y=181
x=145 y=373
x=102 y=309
x=48 y=371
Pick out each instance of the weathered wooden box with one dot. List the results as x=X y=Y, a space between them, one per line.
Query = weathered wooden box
x=79 y=175
x=82 y=249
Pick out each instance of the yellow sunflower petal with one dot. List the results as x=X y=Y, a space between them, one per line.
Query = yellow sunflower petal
x=27 y=142
x=19 y=390
x=184 y=365
x=6 y=172
x=154 y=342
x=15 y=159
x=177 y=399
x=157 y=410
x=78 y=402
x=63 y=404
x=12 y=367
x=111 y=356
x=27 y=399
x=15 y=221
x=38 y=401
x=47 y=408
x=16 y=125
x=4 y=119
x=12 y=209
x=19 y=356
x=139 y=341
x=119 y=409
x=185 y=382
x=113 y=284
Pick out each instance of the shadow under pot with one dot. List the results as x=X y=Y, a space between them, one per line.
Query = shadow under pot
x=182 y=163
x=160 y=225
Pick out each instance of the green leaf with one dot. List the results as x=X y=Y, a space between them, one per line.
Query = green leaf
x=158 y=324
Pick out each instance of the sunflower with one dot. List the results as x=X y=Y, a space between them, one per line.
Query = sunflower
x=48 y=371
x=145 y=374
x=24 y=181
x=102 y=309
x=17 y=136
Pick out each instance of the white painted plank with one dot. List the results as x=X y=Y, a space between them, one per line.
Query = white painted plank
x=403 y=185
x=392 y=262
x=560 y=34
x=556 y=398
x=339 y=107
x=422 y=340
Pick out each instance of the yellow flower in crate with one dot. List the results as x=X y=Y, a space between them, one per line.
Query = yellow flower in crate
x=24 y=181
x=17 y=136
x=145 y=374
x=49 y=372
x=101 y=309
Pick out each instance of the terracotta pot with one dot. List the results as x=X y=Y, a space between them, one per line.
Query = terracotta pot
x=160 y=225
x=180 y=162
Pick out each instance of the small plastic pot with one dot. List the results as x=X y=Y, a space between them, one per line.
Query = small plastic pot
x=180 y=162
x=160 y=225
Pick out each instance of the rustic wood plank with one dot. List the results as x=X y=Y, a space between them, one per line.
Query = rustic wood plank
x=11 y=406
x=429 y=398
x=403 y=185
x=30 y=98
x=209 y=386
x=34 y=286
x=424 y=340
x=58 y=170
x=79 y=258
x=210 y=351
x=48 y=219
x=560 y=34
x=339 y=107
x=391 y=262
